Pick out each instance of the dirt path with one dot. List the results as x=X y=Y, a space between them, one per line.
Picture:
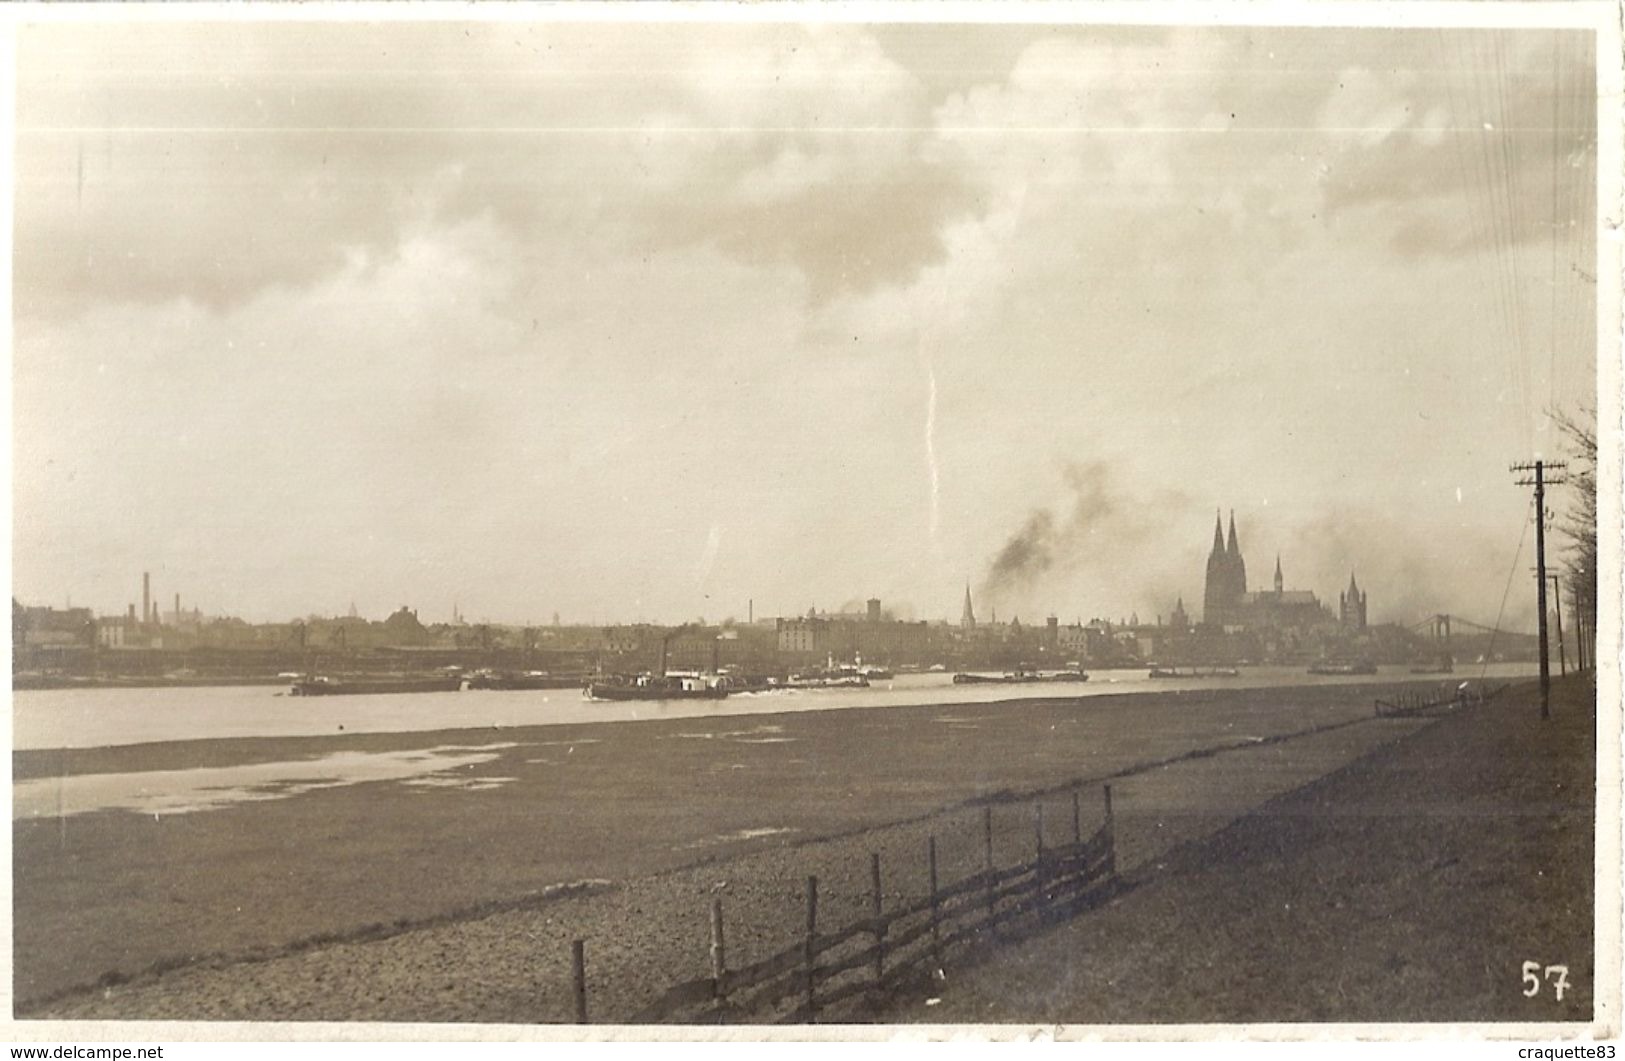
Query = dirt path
x=1411 y=885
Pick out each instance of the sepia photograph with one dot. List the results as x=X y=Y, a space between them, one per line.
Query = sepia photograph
x=781 y=521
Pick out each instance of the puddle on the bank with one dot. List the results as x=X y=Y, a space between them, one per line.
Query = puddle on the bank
x=735 y=836
x=464 y=784
x=766 y=734
x=160 y=792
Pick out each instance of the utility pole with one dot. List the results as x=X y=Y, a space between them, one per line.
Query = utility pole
x=1540 y=483
x=1557 y=610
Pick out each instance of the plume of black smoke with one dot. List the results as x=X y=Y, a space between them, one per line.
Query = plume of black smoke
x=1045 y=539
x=1029 y=553
x=1094 y=519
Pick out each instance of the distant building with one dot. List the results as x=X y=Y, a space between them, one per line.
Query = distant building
x=1179 y=620
x=803 y=636
x=1226 y=577
x=403 y=628
x=35 y=627
x=967 y=617
x=1351 y=612
x=1226 y=602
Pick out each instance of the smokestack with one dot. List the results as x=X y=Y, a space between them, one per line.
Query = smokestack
x=132 y=612
x=146 y=597
x=177 y=607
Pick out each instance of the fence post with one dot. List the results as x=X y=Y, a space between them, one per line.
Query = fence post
x=578 y=976
x=719 y=961
x=1111 y=834
x=987 y=859
x=936 y=937
x=1039 y=876
x=1077 y=819
x=810 y=955
x=874 y=911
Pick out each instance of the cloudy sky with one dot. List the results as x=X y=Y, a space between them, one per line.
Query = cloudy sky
x=648 y=321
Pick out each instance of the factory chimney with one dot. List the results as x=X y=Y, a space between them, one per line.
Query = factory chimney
x=146 y=597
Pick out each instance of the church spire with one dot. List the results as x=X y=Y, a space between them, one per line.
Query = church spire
x=1218 y=533
x=967 y=618
x=1279 y=582
x=1233 y=549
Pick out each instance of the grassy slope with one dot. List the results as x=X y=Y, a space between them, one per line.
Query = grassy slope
x=1409 y=886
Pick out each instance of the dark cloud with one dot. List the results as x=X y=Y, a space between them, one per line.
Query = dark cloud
x=210 y=162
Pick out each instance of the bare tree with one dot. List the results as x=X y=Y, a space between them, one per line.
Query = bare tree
x=1579 y=523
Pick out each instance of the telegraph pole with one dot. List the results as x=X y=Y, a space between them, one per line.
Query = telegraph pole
x=1540 y=483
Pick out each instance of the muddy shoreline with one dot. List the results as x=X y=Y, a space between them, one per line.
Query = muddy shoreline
x=123 y=916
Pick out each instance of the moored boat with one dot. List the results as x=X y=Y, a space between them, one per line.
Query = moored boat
x=1020 y=677
x=1444 y=664
x=828 y=678
x=1344 y=669
x=321 y=685
x=508 y=680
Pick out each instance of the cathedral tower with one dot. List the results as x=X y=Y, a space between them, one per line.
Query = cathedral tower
x=1351 y=606
x=1216 y=594
x=1238 y=566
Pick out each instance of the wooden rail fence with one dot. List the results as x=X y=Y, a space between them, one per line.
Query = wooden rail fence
x=1410 y=704
x=888 y=948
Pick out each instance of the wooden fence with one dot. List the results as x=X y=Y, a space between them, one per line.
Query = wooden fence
x=1407 y=705
x=888 y=949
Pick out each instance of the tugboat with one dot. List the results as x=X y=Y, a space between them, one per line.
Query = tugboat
x=649 y=687
x=661 y=685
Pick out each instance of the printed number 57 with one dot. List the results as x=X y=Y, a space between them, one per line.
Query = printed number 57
x=1557 y=974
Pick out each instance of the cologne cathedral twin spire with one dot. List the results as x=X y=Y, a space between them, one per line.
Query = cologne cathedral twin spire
x=1226 y=576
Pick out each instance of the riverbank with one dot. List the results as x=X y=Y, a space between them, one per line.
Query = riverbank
x=115 y=896
x=611 y=832
x=1410 y=885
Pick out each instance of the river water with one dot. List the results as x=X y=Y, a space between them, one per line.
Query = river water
x=89 y=718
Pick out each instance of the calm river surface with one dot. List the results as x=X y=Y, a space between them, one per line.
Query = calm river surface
x=89 y=718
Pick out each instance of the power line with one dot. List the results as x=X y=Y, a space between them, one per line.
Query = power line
x=1512 y=572
x=1540 y=483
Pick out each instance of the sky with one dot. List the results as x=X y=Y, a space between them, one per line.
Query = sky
x=659 y=321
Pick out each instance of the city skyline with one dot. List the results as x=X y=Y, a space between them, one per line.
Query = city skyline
x=632 y=319
x=167 y=604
